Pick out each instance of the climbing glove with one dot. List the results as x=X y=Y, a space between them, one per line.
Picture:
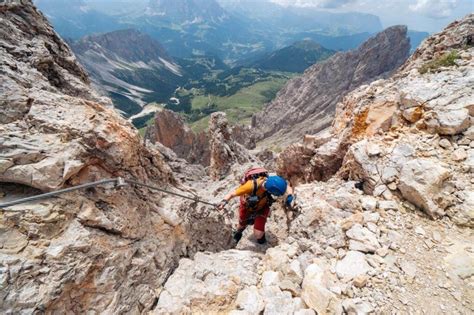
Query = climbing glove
x=222 y=204
x=289 y=200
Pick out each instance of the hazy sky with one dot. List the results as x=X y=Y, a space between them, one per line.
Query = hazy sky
x=423 y=15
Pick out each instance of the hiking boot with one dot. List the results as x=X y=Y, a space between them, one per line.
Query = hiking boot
x=237 y=235
x=262 y=240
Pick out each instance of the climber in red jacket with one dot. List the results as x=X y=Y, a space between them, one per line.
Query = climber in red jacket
x=256 y=196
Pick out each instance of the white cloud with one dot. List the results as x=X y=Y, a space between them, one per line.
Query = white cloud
x=436 y=9
x=314 y=3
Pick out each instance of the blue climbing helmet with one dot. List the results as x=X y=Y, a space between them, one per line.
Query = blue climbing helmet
x=275 y=185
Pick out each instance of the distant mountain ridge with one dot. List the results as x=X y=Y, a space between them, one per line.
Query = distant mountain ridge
x=131 y=67
x=192 y=27
x=187 y=11
x=134 y=69
x=294 y=58
x=306 y=104
x=292 y=19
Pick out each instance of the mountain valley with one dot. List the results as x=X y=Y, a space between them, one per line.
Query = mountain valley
x=180 y=51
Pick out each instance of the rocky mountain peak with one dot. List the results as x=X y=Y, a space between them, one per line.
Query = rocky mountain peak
x=306 y=104
x=129 y=44
x=225 y=152
x=130 y=67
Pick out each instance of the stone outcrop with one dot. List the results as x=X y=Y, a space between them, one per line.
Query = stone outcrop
x=208 y=283
x=306 y=104
x=101 y=250
x=420 y=181
x=245 y=136
x=170 y=130
x=381 y=131
x=224 y=150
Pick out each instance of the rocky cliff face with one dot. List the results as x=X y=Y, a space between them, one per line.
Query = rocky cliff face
x=225 y=152
x=406 y=135
x=306 y=104
x=97 y=250
x=170 y=130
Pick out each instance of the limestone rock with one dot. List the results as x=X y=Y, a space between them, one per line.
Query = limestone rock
x=357 y=307
x=413 y=114
x=270 y=278
x=249 y=300
x=169 y=129
x=224 y=151
x=469 y=133
x=368 y=203
x=460 y=260
x=293 y=288
x=361 y=239
x=361 y=166
x=420 y=181
x=463 y=213
x=352 y=265
x=244 y=135
x=373 y=149
x=409 y=268
x=445 y=144
x=210 y=282
x=279 y=302
x=448 y=122
x=305 y=163
x=360 y=281
x=305 y=312
x=469 y=162
x=459 y=155
x=315 y=292
x=388 y=205
x=371 y=217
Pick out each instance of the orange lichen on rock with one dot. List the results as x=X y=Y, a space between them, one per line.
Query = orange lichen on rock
x=360 y=123
x=380 y=117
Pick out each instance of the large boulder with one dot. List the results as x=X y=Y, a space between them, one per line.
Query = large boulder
x=448 y=122
x=210 y=283
x=362 y=239
x=315 y=291
x=352 y=265
x=463 y=213
x=421 y=181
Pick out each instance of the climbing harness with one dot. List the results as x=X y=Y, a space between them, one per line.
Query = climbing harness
x=119 y=182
